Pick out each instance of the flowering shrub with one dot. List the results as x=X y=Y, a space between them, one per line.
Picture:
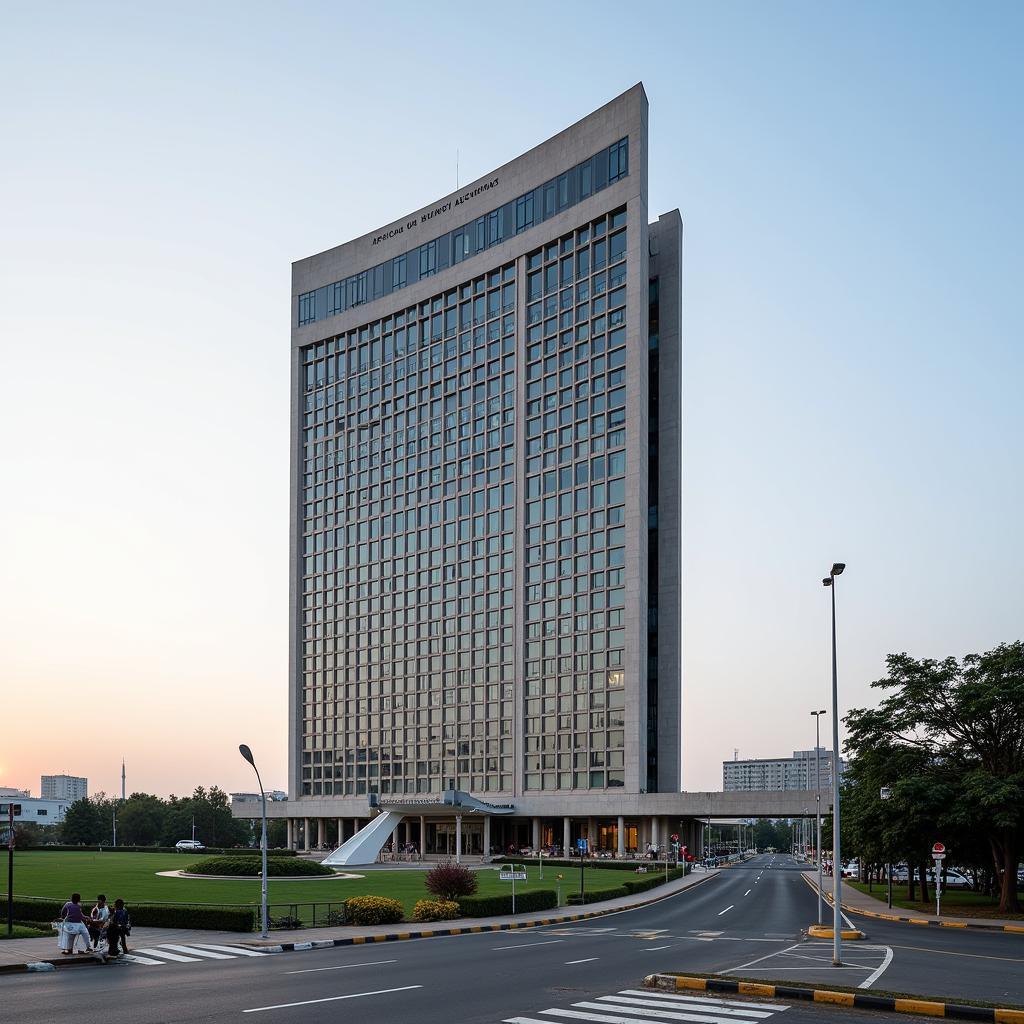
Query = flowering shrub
x=373 y=910
x=450 y=881
x=435 y=910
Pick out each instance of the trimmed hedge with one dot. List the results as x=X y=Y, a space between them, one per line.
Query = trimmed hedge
x=588 y=862
x=492 y=906
x=252 y=867
x=373 y=910
x=435 y=910
x=228 y=919
x=242 y=851
x=629 y=887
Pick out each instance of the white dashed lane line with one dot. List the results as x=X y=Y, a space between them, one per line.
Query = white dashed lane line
x=727 y=909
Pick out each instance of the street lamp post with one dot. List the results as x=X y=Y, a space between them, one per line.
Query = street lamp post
x=885 y=793
x=837 y=864
x=817 y=800
x=247 y=754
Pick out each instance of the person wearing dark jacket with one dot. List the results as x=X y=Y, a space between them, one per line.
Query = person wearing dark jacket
x=119 y=925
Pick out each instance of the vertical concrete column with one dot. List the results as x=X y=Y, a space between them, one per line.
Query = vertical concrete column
x=655 y=839
x=305 y=833
x=566 y=836
x=621 y=836
x=423 y=836
x=591 y=834
x=487 y=835
x=321 y=831
x=355 y=825
x=458 y=838
x=535 y=840
x=290 y=835
x=341 y=832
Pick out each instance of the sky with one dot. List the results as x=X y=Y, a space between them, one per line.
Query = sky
x=849 y=182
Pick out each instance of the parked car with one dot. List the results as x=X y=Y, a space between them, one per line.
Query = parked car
x=188 y=845
x=953 y=879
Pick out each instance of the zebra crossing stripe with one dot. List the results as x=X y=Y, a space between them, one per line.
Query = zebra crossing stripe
x=194 y=951
x=653 y=993
x=660 y=1014
x=170 y=956
x=232 y=950
x=736 y=1015
x=134 y=958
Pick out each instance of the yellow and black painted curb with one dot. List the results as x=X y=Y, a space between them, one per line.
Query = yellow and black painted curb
x=1013 y=928
x=820 y=931
x=858 y=1000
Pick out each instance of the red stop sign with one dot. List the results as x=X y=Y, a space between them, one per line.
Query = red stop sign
x=939 y=848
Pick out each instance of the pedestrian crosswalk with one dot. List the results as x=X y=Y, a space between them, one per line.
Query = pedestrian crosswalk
x=196 y=952
x=650 y=1006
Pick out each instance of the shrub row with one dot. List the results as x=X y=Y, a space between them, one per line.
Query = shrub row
x=252 y=867
x=229 y=919
x=588 y=862
x=435 y=910
x=492 y=906
x=373 y=910
x=629 y=887
x=213 y=850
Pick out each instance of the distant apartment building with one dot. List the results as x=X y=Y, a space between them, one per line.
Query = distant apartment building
x=68 y=788
x=34 y=810
x=776 y=773
x=6 y=792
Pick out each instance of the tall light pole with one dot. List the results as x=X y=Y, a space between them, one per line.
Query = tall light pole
x=247 y=754
x=837 y=864
x=817 y=800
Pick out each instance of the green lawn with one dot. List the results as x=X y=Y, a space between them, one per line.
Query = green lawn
x=958 y=902
x=25 y=931
x=133 y=878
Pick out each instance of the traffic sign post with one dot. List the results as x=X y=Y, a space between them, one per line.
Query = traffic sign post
x=581 y=846
x=12 y=810
x=513 y=873
x=938 y=855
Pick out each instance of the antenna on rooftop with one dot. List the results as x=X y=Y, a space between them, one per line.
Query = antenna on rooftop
x=735 y=753
x=456 y=168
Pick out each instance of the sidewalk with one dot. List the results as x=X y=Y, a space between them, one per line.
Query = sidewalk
x=17 y=952
x=857 y=902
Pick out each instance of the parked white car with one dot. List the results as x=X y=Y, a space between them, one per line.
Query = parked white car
x=188 y=845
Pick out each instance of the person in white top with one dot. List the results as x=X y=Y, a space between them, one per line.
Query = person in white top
x=98 y=920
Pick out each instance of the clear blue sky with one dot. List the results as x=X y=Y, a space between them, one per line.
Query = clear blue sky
x=849 y=179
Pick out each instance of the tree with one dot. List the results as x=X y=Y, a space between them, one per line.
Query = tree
x=962 y=725
x=82 y=824
x=140 y=820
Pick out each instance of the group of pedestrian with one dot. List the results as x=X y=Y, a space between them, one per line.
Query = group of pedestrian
x=103 y=923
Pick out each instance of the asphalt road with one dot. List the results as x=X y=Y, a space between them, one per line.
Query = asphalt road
x=748 y=921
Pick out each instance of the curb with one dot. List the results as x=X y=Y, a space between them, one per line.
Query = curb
x=923 y=1007
x=359 y=940
x=60 y=964
x=820 y=931
x=1010 y=928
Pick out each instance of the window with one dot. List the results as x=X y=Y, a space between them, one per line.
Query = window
x=307 y=308
x=524 y=212
x=428 y=259
x=618 y=160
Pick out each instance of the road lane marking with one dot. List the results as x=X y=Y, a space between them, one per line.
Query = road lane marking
x=134 y=958
x=193 y=951
x=973 y=956
x=524 y=945
x=585 y=960
x=653 y=949
x=767 y=956
x=233 y=950
x=674 y=997
x=342 y=967
x=640 y=1016
x=727 y=909
x=869 y=981
x=171 y=956
x=748 y=892
x=660 y=1004
x=333 y=999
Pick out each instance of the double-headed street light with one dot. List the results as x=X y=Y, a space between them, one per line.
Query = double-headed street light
x=247 y=754
x=837 y=864
x=817 y=801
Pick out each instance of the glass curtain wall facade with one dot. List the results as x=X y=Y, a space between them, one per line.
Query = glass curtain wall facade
x=475 y=479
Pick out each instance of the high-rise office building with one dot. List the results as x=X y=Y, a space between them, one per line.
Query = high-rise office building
x=63 y=787
x=779 y=773
x=485 y=481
